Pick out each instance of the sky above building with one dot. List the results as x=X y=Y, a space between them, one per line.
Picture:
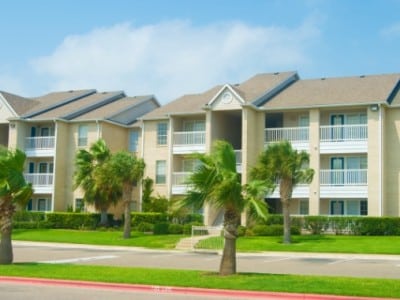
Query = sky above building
x=175 y=47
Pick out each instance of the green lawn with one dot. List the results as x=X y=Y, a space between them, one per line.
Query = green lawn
x=246 y=281
x=324 y=243
x=111 y=238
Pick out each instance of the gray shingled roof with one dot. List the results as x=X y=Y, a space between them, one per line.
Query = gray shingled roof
x=19 y=104
x=335 y=91
x=113 y=108
x=72 y=107
x=250 y=90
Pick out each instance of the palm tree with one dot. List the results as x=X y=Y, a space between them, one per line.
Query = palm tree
x=217 y=182
x=125 y=170
x=88 y=165
x=13 y=191
x=281 y=163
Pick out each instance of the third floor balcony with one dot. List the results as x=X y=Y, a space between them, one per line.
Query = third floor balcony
x=346 y=138
x=189 y=141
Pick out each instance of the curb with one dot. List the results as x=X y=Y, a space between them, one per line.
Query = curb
x=155 y=289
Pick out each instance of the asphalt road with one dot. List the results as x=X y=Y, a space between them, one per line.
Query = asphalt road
x=373 y=266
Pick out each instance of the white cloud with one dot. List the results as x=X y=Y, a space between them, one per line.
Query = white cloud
x=172 y=58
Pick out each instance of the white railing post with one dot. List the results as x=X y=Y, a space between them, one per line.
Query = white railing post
x=39 y=142
x=334 y=133
x=189 y=138
x=291 y=134
x=344 y=177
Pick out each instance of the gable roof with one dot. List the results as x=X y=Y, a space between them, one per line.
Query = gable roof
x=19 y=104
x=335 y=91
x=251 y=90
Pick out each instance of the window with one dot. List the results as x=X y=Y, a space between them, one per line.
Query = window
x=42 y=205
x=364 y=207
x=349 y=207
x=161 y=168
x=303 y=207
x=194 y=125
x=190 y=165
x=133 y=140
x=79 y=205
x=82 y=135
x=162 y=133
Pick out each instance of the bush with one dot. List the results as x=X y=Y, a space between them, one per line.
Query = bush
x=274 y=219
x=316 y=224
x=29 y=216
x=187 y=228
x=376 y=226
x=273 y=230
x=241 y=231
x=73 y=220
x=175 y=228
x=341 y=225
x=145 y=227
x=149 y=217
x=161 y=228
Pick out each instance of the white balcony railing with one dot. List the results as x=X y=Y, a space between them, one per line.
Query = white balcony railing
x=190 y=138
x=180 y=178
x=291 y=134
x=337 y=133
x=238 y=154
x=39 y=179
x=343 y=177
x=39 y=142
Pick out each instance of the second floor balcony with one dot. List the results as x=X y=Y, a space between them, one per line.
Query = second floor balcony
x=40 y=146
x=189 y=142
x=41 y=182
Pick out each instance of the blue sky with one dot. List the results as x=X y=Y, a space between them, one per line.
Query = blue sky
x=170 y=47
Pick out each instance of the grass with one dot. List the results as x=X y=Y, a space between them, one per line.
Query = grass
x=389 y=288
x=324 y=243
x=111 y=238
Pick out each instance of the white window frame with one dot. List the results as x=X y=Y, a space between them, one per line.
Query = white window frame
x=161 y=172
x=82 y=135
x=133 y=141
x=162 y=133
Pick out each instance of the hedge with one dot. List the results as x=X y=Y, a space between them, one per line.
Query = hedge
x=147 y=217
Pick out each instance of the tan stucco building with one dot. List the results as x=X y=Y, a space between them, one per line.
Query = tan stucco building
x=350 y=126
x=52 y=128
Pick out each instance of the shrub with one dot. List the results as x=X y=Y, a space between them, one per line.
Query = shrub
x=145 y=227
x=376 y=226
x=241 y=231
x=175 y=228
x=187 y=228
x=161 y=228
x=316 y=224
x=73 y=220
x=274 y=219
x=29 y=216
x=148 y=217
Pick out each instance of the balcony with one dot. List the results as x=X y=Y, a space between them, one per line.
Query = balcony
x=179 y=179
x=185 y=142
x=41 y=182
x=297 y=136
x=40 y=146
x=344 y=138
x=300 y=191
x=347 y=183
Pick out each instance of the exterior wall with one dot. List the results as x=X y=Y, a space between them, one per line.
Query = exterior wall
x=4 y=129
x=116 y=137
x=154 y=152
x=63 y=167
x=392 y=163
x=374 y=163
x=219 y=104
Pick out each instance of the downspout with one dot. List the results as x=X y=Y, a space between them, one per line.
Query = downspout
x=98 y=129
x=54 y=164
x=139 y=208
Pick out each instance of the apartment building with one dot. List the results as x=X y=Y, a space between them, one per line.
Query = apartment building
x=350 y=126
x=51 y=129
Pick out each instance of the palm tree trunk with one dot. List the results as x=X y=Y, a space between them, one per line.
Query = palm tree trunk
x=6 y=212
x=286 y=222
x=228 y=260
x=126 y=196
x=286 y=188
